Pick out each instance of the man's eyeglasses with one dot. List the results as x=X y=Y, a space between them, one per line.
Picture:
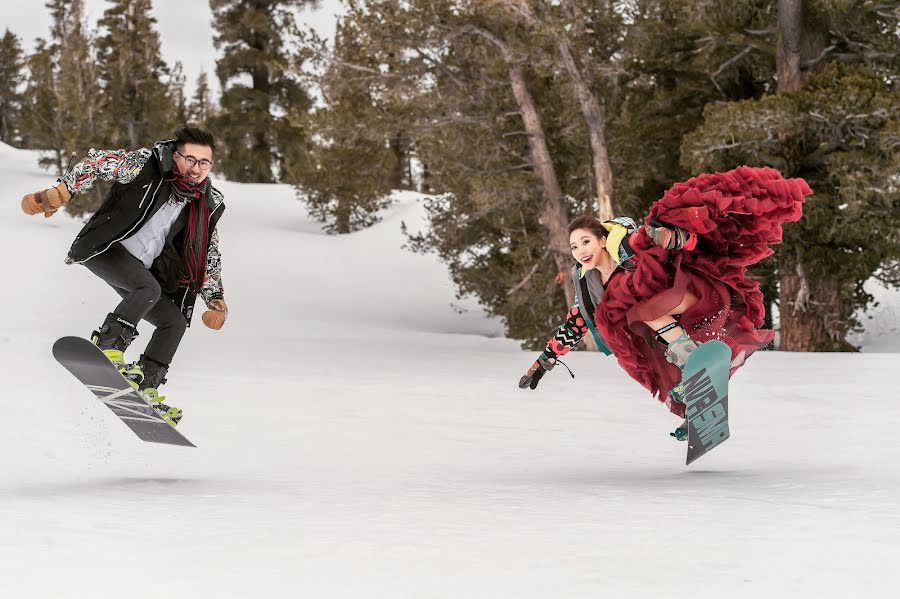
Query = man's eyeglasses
x=190 y=161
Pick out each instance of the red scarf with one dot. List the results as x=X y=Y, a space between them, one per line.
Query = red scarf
x=196 y=234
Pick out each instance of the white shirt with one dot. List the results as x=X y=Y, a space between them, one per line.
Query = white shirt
x=147 y=244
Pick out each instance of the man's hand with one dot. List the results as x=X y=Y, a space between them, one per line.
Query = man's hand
x=533 y=375
x=215 y=317
x=47 y=201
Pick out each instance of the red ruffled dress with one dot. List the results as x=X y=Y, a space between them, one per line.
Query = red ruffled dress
x=737 y=216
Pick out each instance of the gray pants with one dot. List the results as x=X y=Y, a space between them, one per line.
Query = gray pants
x=142 y=299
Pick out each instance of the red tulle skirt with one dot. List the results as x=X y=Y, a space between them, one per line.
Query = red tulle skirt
x=737 y=216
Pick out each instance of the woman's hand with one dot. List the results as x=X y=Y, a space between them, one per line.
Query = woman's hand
x=669 y=237
x=533 y=375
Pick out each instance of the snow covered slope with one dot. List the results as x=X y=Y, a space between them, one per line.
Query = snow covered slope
x=358 y=437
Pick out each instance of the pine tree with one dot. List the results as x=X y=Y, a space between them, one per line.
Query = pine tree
x=78 y=116
x=502 y=123
x=61 y=95
x=11 y=78
x=678 y=57
x=180 y=111
x=79 y=94
x=201 y=109
x=263 y=104
x=137 y=106
x=831 y=122
x=492 y=112
x=39 y=106
x=352 y=167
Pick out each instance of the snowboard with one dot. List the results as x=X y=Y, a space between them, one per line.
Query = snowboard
x=91 y=366
x=705 y=381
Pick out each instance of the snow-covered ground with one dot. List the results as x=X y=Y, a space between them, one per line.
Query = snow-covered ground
x=358 y=437
x=881 y=321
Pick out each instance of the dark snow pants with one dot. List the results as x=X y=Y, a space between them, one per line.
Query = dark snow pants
x=142 y=299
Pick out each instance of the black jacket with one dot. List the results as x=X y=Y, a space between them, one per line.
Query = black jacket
x=128 y=207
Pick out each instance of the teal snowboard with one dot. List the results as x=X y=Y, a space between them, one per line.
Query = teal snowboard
x=705 y=381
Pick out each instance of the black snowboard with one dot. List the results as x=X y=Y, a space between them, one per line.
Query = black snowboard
x=90 y=366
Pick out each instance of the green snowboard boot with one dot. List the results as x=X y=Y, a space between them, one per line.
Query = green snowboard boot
x=170 y=414
x=154 y=376
x=680 y=433
x=677 y=353
x=113 y=338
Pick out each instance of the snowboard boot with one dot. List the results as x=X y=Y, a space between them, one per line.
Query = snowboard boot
x=680 y=350
x=677 y=393
x=678 y=353
x=154 y=376
x=680 y=433
x=114 y=337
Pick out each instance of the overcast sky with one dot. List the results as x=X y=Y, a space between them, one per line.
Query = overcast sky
x=185 y=27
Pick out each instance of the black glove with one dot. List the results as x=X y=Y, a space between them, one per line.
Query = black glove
x=533 y=376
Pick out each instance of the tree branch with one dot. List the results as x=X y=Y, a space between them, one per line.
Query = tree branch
x=530 y=274
x=809 y=64
x=749 y=48
x=493 y=39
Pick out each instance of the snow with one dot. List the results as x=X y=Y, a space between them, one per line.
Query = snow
x=881 y=321
x=359 y=437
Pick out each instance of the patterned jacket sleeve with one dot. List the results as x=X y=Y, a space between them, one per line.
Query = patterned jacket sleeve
x=212 y=284
x=108 y=165
x=567 y=335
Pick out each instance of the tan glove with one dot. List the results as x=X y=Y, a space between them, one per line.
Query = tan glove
x=47 y=201
x=215 y=317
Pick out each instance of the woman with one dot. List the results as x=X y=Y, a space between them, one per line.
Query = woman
x=652 y=294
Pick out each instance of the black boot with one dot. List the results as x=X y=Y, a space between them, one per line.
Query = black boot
x=154 y=372
x=116 y=333
x=154 y=377
x=113 y=338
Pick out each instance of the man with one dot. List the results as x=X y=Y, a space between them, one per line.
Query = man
x=154 y=241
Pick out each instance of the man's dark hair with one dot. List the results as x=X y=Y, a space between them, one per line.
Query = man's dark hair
x=194 y=135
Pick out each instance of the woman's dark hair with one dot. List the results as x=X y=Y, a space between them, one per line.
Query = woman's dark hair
x=591 y=223
x=194 y=135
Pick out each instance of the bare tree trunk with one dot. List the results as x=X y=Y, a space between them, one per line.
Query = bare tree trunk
x=553 y=215
x=133 y=135
x=812 y=310
x=796 y=330
x=58 y=132
x=342 y=216
x=790 y=31
x=88 y=100
x=596 y=124
x=399 y=147
x=426 y=179
x=4 y=127
x=593 y=114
